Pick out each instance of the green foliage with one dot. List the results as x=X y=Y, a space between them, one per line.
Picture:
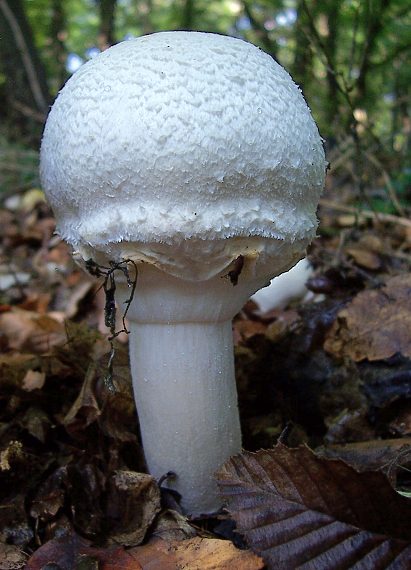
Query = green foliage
x=363 y=42
x=18 y=167
x=349 y=57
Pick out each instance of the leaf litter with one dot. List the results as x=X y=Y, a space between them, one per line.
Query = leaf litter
x=300 y=511
x=332 y=374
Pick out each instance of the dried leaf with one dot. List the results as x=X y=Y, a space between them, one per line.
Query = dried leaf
x=371 y=242
x=118 y=418
x=195 y=554
x=14 y=527
x=50 y=497
x=298 y=510
x=401 y=425
x=33 y=380
x=132 y=504
x=85 y=409
x=171 y=525
x=13 y=452
x=11 y=557
x=348 y=220
x=77 y=488
x=283 y=325
x=31 y=198
x=364 y=258
x=247 y=329
x=385 y=455
x=29 y=331
x=71 y=551
x=376 y=325
x=77 y=295
x=348 y=425
x=36 y=422
x=86 y=493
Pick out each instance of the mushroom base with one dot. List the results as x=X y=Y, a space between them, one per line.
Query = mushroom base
x=185 y=392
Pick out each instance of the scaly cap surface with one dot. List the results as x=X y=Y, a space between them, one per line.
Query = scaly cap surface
x=182 y=136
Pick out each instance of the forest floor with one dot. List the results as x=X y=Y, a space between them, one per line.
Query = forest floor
x=324 y=389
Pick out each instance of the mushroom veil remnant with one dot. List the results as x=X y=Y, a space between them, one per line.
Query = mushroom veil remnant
x=195 y=156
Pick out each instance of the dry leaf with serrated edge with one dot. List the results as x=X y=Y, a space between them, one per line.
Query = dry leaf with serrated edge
x=375 y=325
x=195 y=554
x=301 y=511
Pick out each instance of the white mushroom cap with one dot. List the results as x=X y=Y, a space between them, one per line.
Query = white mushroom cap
x=182 y=136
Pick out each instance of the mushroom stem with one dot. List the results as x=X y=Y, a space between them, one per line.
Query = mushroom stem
x=185 y=392
x=182 y=365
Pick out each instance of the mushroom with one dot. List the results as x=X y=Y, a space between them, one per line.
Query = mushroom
x=287 y=287
x=195 y=156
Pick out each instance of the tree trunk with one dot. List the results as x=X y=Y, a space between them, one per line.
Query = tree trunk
x=107 y=22
x=262 y=34
x=374 y=24
x=26 y=91
x=331 y=42
x=187 y=19
x=57 y=33
x=302 y=55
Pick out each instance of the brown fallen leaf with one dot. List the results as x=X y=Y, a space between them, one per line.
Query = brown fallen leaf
x=401 y=425
x=50 y=496
x=133 y=502
x=364 y=258
x=33 y=380
x=348 y=220
x=375 y=325
x=301 y=511
x=171 y=525
x=37 y=423
x=15 y=529
x=77 y=295
x=348 y=425
x=13 y=452
x=247 y=329
x=31 y=332
x=384 y=455
x=11 y=557
x=85 y=410
x=285 y=322
x=372 y=242
x=195 y=554
x=72 y=551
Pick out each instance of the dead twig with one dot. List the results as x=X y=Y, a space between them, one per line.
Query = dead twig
x=368 y=214
x=109 y=287
x=391 y=190
x=29 y=112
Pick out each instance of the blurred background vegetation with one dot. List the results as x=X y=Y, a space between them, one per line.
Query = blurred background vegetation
x=350 y=58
